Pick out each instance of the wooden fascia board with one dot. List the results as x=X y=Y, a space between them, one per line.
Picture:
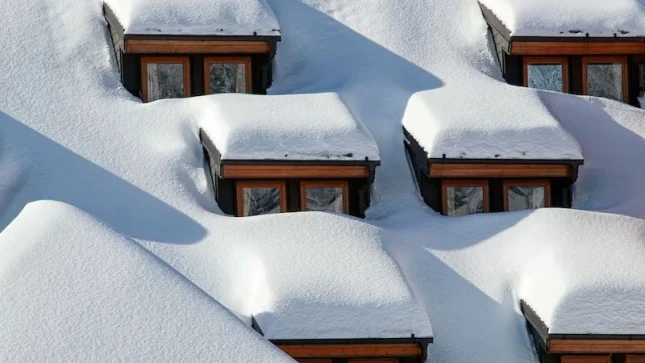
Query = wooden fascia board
x=576 y=47
x=381 y=350
x=294 y=171
x=169 y=46
x=495 y=170
x=581 y=346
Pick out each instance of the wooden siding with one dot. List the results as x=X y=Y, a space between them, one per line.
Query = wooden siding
x=196 y=46
x=353 y=350
x=635 y=359
x=295 y=171
x=596 y=346
x=576 y=48
x=586 y=359
x=499 y=171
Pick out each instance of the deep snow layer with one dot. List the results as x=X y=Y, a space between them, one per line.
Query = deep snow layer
x=476 y=135
x=104 y=297
x=70 y=132
x=571 y=18
x=291 y=127
x=195 y=17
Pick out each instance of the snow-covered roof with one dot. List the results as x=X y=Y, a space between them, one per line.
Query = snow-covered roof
x=342 y=285
x=503 y=132
x=571 y=18
x=291 y=127
x=195 y=17
x=594 y=282
x=73 y=289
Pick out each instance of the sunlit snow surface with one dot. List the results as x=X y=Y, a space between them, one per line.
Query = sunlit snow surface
x=69 y=132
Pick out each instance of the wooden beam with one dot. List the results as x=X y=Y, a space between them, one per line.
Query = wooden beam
x=352 y=350
x=500 y=171
x=196 y=46
x=586 y=359
x=576 y=48
x=294 y=171
x=596 y=346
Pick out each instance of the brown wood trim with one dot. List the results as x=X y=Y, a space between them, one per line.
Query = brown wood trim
x=315 y=360
x=596 y=346
x=576 y=48
x=185 y=61
x=228 y=60
x=564 y=61
x=586 y=359
x=295 y=171
x=352 y=350
x=635 y=359
x=241 y=185
x=463 y=183
x=500 y=171
x=374 y=360
x=528 y=183
x=324 y=184
x=606 y=60
x=196 y=46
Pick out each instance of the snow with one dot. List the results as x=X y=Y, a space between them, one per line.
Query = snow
x=70 y=132
x=290 y=127
x=497 y=134
x=103 y=295
x=195 y=17
x=311 y=300
x=573 y=18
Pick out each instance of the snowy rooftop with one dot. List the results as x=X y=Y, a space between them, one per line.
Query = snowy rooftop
x=599 y=18
x=291 y=127
x=108 y=297
x=501 y=133
x=195 y=17
x=334 y=282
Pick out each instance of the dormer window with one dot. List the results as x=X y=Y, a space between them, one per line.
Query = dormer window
x=605 y=77
x=526 y=194
x=194 y=58
x=167 y=77
x=586 y=59
x=277 y=154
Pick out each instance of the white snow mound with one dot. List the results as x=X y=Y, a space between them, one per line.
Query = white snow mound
x=598 y=18
x=74 y=290
x=291 y=127
x=195 y=17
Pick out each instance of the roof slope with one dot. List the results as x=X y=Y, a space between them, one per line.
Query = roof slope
x=195 y=17
x=291 y=127
x=75 y=290
x=571 y=18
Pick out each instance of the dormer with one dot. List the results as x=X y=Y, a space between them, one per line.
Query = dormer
x=276 y=154
x=571 y=47
x=466 y=164
x=168 y=49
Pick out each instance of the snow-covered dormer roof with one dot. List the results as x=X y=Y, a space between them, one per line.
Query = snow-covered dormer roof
x=570 y=18
x=290 y=127
x=195 y=17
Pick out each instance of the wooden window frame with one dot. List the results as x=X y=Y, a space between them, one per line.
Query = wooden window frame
x=586 y=359
x=564 y=61
x=185 y=61
x=324 y=184
x=445 y=184
x=228 y=60
x=622 y=60
x=634 y=358
x=546 y=184
x=241 y=185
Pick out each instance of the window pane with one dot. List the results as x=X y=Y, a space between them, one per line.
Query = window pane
x=165 y=81
x=227 y=78
x=546 y=77
x=325 y=199
x=465 y=200
x=261 y=201
x=520 y=198
x=605 y=80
